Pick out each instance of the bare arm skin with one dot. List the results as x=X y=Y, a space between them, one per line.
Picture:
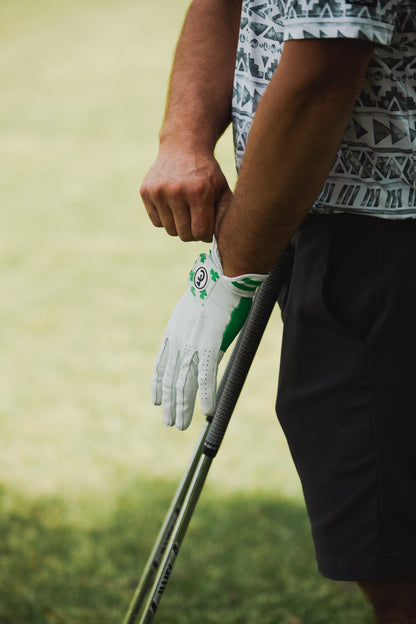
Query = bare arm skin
x=185 y=187
x=298 y=127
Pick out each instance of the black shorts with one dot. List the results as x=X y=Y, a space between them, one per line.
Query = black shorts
x=347 y=391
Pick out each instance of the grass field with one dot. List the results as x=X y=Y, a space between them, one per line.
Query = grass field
x=87 y=470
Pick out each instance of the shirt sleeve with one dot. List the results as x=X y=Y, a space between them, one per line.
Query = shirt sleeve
x=373 y=20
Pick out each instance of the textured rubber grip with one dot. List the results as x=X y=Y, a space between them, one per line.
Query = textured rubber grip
x=245 y=350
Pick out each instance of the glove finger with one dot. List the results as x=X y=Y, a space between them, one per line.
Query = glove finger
x=169 y=389
x=207 y=382
x=186 y=389
x=158 y=372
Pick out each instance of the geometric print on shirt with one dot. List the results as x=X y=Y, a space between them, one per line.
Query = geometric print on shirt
x=374 y=171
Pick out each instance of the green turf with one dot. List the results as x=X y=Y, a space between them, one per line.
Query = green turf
x=87 y=470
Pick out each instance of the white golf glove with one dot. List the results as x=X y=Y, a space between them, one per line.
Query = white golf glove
x=204 y=323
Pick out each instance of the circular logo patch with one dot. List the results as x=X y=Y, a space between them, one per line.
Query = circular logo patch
x=201 y=278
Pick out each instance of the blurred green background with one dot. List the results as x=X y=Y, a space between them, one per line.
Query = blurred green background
x=87 y=470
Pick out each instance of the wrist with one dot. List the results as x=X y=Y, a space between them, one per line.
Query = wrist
x=233 y=264
x=194 y=137
x=237 y=270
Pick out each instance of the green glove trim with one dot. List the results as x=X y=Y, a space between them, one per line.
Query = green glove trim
x=237 y=320
x=247 y=284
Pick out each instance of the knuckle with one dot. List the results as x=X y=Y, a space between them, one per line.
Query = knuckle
x=144 y=191
x=157 y=192
x=175 y=190
x=151 y=192
x=199 y=191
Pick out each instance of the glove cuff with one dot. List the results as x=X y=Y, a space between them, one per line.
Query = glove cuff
x=243 y=285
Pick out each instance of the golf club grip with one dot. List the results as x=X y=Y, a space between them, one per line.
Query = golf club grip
x=254 y=327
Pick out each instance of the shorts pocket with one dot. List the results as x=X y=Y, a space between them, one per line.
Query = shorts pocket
x=349 y=287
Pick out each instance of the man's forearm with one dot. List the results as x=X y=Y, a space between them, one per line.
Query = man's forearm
x=298 y=127
x=200 y=89
x=185 y=188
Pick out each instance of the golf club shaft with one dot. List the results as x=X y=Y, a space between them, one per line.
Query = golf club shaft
x=155 y=558
x=176 y=540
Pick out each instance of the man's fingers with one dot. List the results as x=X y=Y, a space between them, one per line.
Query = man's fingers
x=151 y=208
x=167 y=217
x=153 y=214
x=171 y=213
x=181 y=215
x=189 y=222
x=185 y=205
x=202 y=220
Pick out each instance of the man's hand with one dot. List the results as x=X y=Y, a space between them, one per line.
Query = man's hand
x=184 y=191
x=202 y=326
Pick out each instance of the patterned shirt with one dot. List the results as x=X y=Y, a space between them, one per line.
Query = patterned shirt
x=374 y=171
